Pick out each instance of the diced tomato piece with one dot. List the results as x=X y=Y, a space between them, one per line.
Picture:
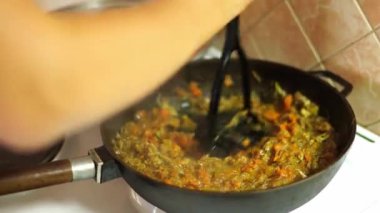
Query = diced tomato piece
x=194 y=89
x=228 y=82
x=271 y=114
x=288 y=101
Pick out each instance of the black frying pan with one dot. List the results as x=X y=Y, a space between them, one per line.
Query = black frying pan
x=103 y=164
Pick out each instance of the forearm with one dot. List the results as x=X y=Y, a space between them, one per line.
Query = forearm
x=96 y=64
x=140 y=50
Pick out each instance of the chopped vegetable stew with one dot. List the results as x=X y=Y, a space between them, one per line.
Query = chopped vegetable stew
x=160 y=142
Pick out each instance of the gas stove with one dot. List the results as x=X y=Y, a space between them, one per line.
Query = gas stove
x=355 y=188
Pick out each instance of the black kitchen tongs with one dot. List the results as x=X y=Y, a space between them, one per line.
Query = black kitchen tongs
x=222 y=145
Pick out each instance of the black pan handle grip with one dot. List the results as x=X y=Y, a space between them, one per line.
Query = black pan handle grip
x=347 y=86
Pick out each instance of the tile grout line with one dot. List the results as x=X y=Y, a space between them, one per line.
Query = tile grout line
x=315 y=66
x=367 y=21
x=256 y=48
x=303 y=32
x=372 y=124
x=263 y=16
x=377 y=38
x=339 y=50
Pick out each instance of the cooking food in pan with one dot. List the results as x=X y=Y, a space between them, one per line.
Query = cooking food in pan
x=110 y=161
x=160 y=144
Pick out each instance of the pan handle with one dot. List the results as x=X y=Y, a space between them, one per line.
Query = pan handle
x=22 y=179
x=47 y=174
x=346 y=86
x=98 y=165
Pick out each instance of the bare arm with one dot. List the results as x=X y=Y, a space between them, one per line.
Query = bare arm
x=64 y=71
